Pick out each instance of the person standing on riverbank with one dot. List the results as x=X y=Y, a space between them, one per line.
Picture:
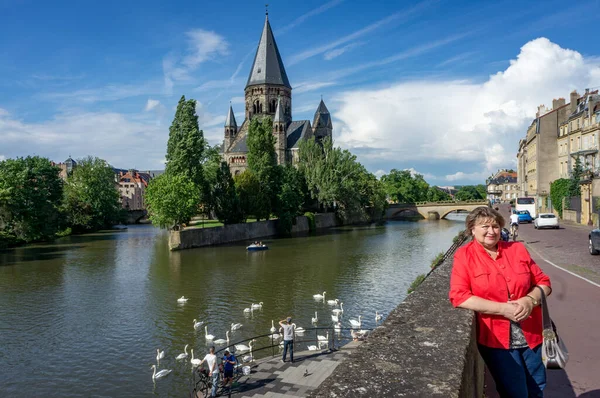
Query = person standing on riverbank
x=288 y=338
x=213 y=370
x=228 y=364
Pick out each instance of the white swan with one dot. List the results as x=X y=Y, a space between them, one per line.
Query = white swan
x=338 y=327
x=312 y=348
x=208 y=336
x=333 y=302
x=323 y=338
x=195 y=361
x=338 y=311
x=335 y=318
x=377 y=316
x=159 y=354
x=184 y=354
x=316 y=318
x=236 y=326
x=161 y=373
x=355 y=323
x=223 y=341
x=319 y=296
x=259 y=305
x=182 y=299
x=298 y=329
x=277 y=335
x=197 y=324
x=241 y=348
x=272 y=330
x=248 y=309
x=248 y=358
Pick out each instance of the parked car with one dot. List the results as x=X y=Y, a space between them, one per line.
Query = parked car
x=594 y=242
x=546 y=220
x=524 y=216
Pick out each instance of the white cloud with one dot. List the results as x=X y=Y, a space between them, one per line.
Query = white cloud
x=380 y=173
x=2 y=157
x=461 y=176
x=341 y=50
x=460 y=120
x=304 y=87
x=151 y=104
x=304 y=17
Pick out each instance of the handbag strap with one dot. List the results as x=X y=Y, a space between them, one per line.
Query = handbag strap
x=546 y=321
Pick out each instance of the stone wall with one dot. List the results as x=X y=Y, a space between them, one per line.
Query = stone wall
x=570 y=215
x=199 y=237
x=425 y=348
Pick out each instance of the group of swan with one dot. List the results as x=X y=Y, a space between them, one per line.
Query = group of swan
x=253 y=306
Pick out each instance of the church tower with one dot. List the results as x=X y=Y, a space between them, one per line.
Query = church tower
x=322 y=126
x=268 y=80
x=279 y=130
x=230 y=127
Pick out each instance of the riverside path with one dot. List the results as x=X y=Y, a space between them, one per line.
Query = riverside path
x=574 y=305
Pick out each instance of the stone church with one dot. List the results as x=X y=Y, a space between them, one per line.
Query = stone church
x=268 y=93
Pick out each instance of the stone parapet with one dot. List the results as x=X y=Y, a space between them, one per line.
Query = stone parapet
x=425 y=348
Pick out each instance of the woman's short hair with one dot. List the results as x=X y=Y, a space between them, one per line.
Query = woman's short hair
x=484 y=213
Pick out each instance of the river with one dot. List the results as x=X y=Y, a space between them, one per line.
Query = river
x=83 y=316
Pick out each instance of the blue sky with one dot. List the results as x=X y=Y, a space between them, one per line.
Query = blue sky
x=446 y=88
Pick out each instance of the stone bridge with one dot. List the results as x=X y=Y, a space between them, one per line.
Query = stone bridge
x=432 y=210
x=134 y=216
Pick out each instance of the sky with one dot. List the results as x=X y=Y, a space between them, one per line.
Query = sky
x=442 y=87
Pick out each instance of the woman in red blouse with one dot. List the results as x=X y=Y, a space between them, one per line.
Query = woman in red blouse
x=497 y=280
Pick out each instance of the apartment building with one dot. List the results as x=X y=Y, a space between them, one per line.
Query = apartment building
x=502 y=186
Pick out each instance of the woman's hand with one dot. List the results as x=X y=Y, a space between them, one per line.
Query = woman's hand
x=509 y=310
x=523 y=308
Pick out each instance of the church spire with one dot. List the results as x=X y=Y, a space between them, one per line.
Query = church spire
x=230 y=121
x=267 y=67
x=279 y=115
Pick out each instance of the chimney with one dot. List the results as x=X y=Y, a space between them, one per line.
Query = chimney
x=557 y=103
x=574 y=96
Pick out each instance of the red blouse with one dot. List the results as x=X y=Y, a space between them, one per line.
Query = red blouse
x=511 y=276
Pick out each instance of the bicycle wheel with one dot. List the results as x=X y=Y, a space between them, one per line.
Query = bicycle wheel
x=515 y=235
x=205 y=388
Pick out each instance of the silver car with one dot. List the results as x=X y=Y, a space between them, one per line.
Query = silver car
x=546 y=220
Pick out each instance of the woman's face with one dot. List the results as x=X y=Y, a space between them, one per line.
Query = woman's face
x=487 y=232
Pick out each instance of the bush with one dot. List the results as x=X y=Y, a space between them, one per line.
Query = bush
x=312 y=226
x=65 y=232
x=437 y=260
x=416 y=283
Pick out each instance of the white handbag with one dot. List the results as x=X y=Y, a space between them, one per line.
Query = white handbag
x=554 y=351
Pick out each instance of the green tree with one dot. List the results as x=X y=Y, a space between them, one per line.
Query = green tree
x=227 y=201
x=248 y=188
x=469 y=192
x=172 y=200
x=290 y=198
x=30 y=196
x=91 y=199
x=403 y=187
x=559 y=189
x=574 y=190
x=186 y=146
x=211 y=166
x=262 y=162
x=435 y=194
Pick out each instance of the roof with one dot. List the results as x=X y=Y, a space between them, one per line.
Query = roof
x=297 y=131
x=279 y=115
x=322 y=116
x=267 y=67
x=240 y=146
x=230 y=121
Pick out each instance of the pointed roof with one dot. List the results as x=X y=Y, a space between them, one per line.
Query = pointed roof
x=279 y=115
x=230 y=121
x=322 y=116
x=267 y=67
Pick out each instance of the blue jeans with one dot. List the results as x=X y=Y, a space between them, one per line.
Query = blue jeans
x=518 y=372
x=215 y=383
x=286 y=344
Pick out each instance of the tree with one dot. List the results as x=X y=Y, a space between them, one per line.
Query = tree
x=403 y=187
x=227 y=202
x=30 y=195
x=559 y=189
x=186 y=146
x=290 y=198
x=211 y=166
x=469 y=192
x=248 y=188
x=435 y=194
x=574 y=190
x=172 y=200
x=262 y=162
x=91 y=199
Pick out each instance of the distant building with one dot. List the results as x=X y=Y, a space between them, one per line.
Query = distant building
x=502 y=186
x=132 y=186
x=450 y=190
x=66 y=168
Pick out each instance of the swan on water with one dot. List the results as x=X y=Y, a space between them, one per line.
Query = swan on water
x=312 y=348
x=338 y=327
x=208 y=336
x=333 y=302
x=319 y=296
x=236 y=326
x=248 y=310
x=181 y=299
x=338 y=311
x=248 y=358
x=197 y=324
x=335 y=318
x=223 y=341
x=272 y=330
x=355 y=323
x=160 y=373
x=259 y=305
x=195 y=361
x=298 y=329
x=277 y=335
x=323 y=338
x=315 y=319
x=243 y=348
x=377 y=316
x=159 y=354
x=184 y=354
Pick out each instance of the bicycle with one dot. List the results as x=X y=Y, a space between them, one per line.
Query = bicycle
x=205 y=383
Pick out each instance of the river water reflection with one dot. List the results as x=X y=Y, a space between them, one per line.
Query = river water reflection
x=85 y=315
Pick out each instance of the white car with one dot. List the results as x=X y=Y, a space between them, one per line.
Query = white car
x=546 y=220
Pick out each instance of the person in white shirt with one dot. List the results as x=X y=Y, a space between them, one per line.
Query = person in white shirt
x=514 y=222
x=213 y=370
x=288 y=338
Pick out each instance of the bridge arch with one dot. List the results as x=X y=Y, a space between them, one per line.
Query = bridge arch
x=453 y=211
x=412 y=211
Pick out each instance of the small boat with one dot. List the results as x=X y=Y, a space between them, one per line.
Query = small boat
x=254 y=248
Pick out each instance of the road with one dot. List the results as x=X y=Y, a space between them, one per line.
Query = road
x=574 y=305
